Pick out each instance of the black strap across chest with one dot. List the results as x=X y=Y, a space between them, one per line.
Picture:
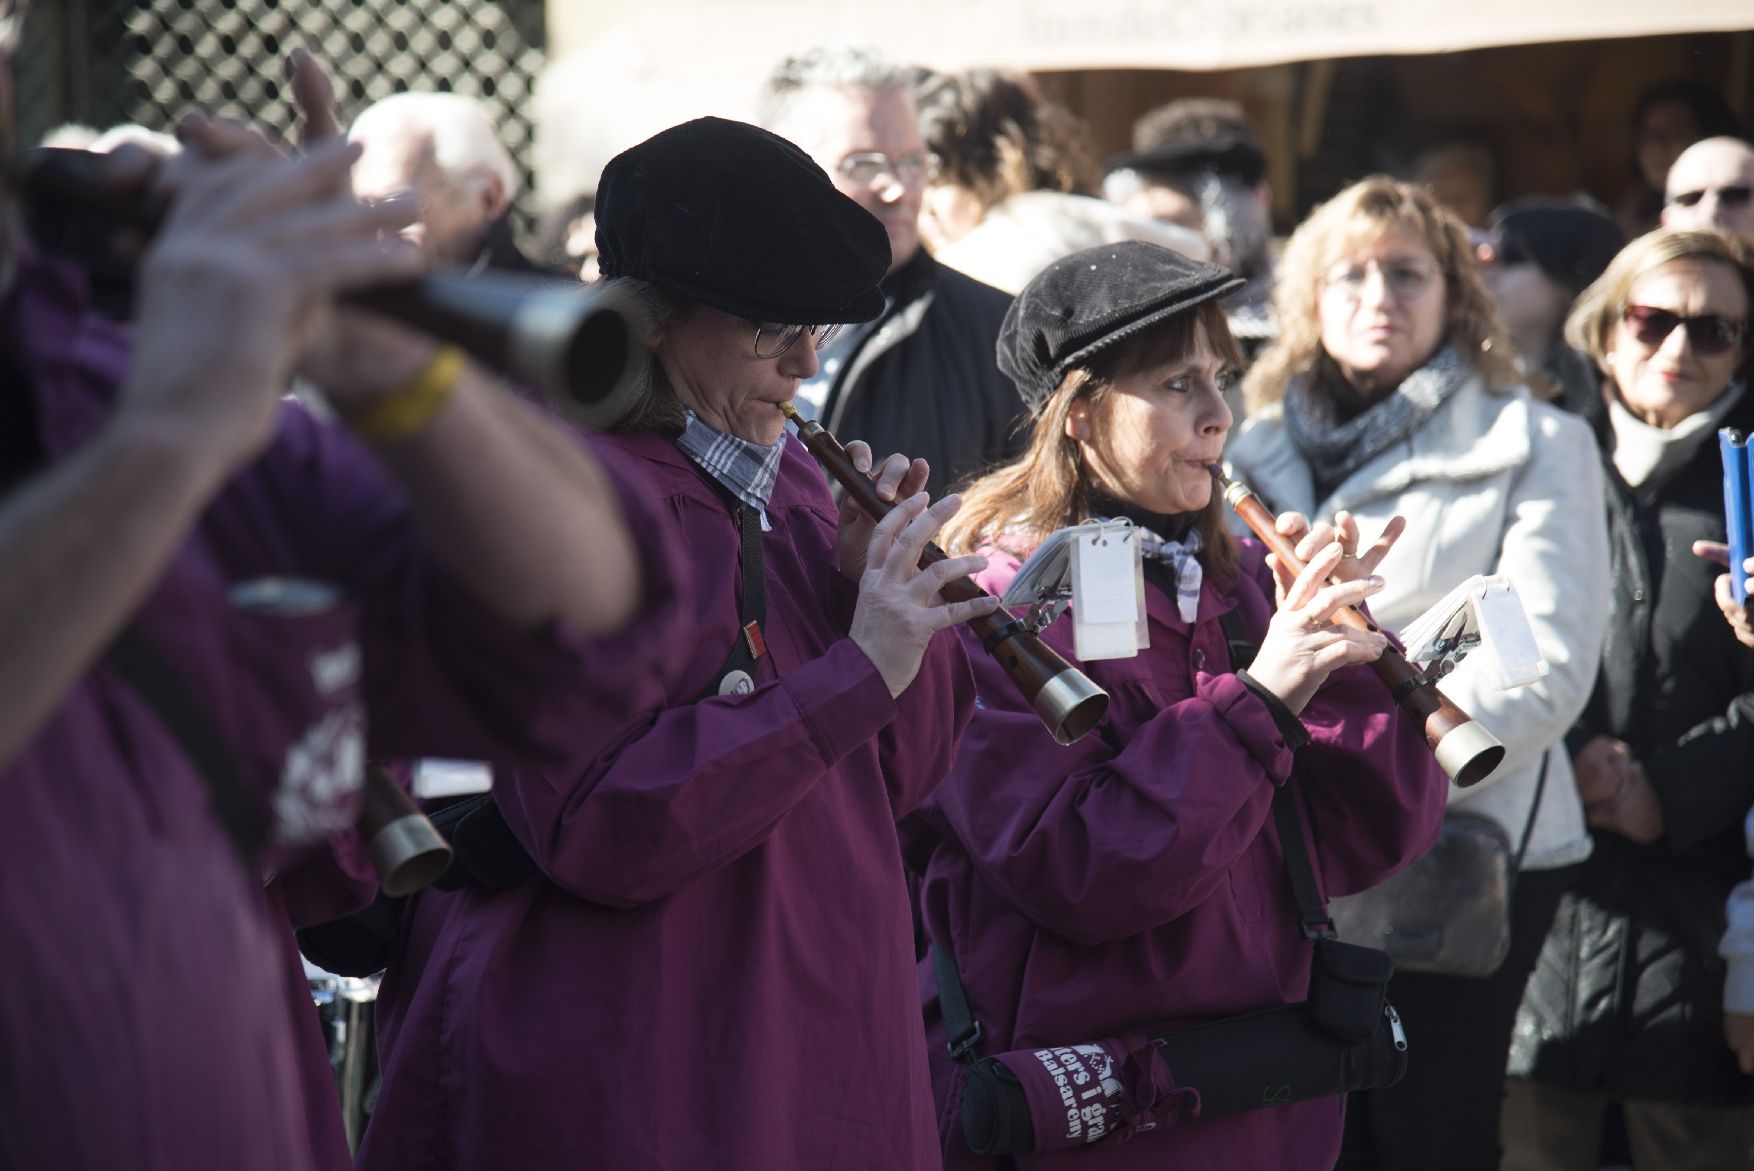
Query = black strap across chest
x=750 y=644
x=243 y=817
x=486 y=851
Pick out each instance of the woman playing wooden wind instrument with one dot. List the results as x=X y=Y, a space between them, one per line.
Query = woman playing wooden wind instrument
x=1138 y=877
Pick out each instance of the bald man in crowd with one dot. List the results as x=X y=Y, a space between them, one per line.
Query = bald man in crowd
x=1712 y=186
x=442 y=151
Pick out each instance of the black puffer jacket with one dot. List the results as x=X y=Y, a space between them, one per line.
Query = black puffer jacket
x=1626 y=999
x=925 y=381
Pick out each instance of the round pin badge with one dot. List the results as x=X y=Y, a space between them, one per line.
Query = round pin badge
x=737 y=683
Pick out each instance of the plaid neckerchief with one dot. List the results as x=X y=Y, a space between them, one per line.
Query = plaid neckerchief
x=747 y=470
x=1179 y=557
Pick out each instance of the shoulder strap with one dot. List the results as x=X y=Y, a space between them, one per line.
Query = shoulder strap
x=965 y=1034
x=243 y=817
x=751 y=644
x=487 y=852
x=1312 y=912
x=1534 y=808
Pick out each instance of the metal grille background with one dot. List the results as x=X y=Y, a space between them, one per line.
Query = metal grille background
x=100 y=62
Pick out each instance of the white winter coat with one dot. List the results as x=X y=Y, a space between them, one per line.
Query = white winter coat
x=1491 y=483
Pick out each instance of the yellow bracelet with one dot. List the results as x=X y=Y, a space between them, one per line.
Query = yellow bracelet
x=405 y=410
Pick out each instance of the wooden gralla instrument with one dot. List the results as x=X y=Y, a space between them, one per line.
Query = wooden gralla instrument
x=1465 y=750
x=1062 y=695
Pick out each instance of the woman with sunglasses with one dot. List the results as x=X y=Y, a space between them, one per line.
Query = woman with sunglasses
x=1391 y=391
x=706 y=958
x=1626 y=1003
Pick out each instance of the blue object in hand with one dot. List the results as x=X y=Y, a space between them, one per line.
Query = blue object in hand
x=1738 y=508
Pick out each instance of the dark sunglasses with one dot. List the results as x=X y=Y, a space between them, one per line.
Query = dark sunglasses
x=1709 y=333
x=1734 y=196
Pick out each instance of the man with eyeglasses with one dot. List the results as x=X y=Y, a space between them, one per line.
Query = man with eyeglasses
x=1712 y=186
x=921 y=378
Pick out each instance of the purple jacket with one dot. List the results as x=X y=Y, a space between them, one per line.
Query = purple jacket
x=152 y=998
x=717 y=968
x=1136 y=877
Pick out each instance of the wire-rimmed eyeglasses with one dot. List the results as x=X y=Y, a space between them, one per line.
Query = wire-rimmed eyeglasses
x=773 y=338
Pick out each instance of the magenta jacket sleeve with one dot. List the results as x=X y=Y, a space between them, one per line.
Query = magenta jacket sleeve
x=696 y=786
x=1128 y=828
x=443 y=676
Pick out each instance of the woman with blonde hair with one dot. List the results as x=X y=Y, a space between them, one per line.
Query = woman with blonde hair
x=1138 y=879
x=1391 y=391
x=1628 y=1002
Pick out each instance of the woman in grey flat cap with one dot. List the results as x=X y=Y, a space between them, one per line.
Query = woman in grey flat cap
x=1137 y=879
x=708 y=960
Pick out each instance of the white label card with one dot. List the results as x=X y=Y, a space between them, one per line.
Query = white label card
x=1108 y=593
x=1505 y=635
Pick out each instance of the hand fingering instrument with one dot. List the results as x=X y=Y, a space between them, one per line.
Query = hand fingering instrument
x=1062 y=695
x=579 y=346
x=1464 y=749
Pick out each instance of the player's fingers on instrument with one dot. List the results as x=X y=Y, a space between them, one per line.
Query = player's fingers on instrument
x=918 y=472
x=315 y=97
x=1362 y=646
x=1320 y=533
x=886 y=531
x=889 y=475
x=1316 y=571
x=1282 y=575
x=1346 y=530
x=1292 y=525
x=361 y=224
x=953 y=613
x=225 y=137
x=274 y=187
x=1331 y=599
x=338 y=266
x=860 y=453
x=936 y=576
x=922 y=528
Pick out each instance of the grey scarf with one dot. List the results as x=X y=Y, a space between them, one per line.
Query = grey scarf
x=1336 y=450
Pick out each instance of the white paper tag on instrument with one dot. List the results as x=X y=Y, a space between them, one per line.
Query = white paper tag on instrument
x=1483 y=613
x=1108 y=592
x=1505 y=635
x=434 y=777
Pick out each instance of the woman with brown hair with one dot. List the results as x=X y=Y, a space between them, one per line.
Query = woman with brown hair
x=1627 y=1002
x=1014 y=184
x=1138 y=877
x=1390 y=391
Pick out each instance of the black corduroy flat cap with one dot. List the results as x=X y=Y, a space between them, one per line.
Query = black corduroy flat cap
x=738 y=218
x=1084 y=303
